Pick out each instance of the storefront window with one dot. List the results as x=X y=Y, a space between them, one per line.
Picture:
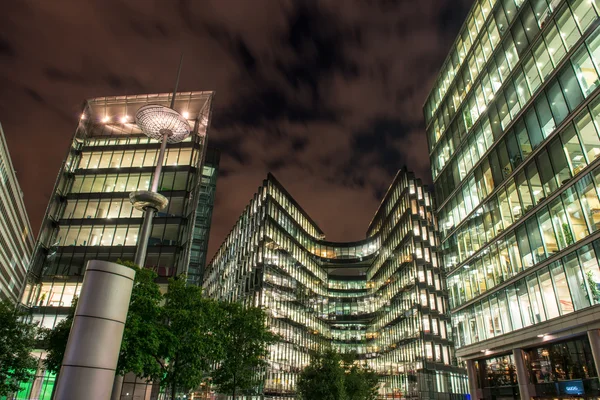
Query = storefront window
x=565 y=361
x=498 y=376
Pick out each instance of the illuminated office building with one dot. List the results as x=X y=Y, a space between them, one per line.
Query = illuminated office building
x=383 y=297
x=16 y=239
x=90 y=216
x=513 y=126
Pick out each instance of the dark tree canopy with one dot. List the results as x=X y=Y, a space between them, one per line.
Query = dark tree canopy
x=332 y=376
x=55 y=340
x=144 y=329
x=17 y=340
x=191 y=344
x=246 y=339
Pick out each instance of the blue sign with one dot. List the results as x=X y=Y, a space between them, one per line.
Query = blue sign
x=571 y=387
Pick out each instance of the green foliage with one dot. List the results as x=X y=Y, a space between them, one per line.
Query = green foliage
x=331 y=376
x=245 y=341
x=323 y=378
x=567 y=234
x=55 y=340
x=178 y=338
x=143 y=328
x=361 y=383
x=190 y=345
x=593 y=287
x=17 y=340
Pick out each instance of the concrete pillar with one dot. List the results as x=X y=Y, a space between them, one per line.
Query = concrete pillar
x=90 y=360
x=522 y=374
x=117 y=387
x=594 y=338
x=472 y=374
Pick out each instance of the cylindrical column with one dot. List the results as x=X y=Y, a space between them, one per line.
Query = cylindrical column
x=159 y=162
x=594 y=338
x=117 y=387
x=144 y=236
x=472 y=375
x=90 y=360
x=522 y=374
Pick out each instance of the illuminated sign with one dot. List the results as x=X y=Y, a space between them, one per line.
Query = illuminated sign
x=571 y=387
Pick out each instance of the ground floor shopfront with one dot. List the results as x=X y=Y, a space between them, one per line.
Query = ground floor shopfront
x=539 y=363
x=563 y=369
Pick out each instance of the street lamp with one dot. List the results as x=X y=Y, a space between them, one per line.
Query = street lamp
x=167 y=126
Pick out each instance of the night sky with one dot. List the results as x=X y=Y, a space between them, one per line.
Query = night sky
x=327 y=94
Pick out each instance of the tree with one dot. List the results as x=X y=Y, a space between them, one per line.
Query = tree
x=141 y=337
x=17 y=340
x=323 y=378
x=246 y=341
x=332 y=376
x=190 y=345
x=143 y=328
x=361 y=382
x=55 y=340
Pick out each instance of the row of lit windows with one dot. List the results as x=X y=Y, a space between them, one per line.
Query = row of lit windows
x=246 y=225
x=296 y=334
x=116 y=208
x=120 y=140
x=71 y=260
x=569 y=284
x=290 y=265
x=346 y=285
x=403 y=225
x=530 y=188
x=117 y=235
x=546 y=53
x=578 y=140
x=395 y=385
x=575 y=81
x=390 y=200
x=135 y=158
x=299 y=253
x=565 y=220
x=291 y=209
x=551 y=169
x=407 y=300
x=127 y=182
x=496 y=27
x=284 y=357
x=403 y=278
x=501 y=65
x=314 y=246
x=287 y=309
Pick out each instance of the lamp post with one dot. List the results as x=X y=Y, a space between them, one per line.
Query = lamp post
x=167 y=126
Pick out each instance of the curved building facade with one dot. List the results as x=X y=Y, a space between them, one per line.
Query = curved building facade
x=383 y=298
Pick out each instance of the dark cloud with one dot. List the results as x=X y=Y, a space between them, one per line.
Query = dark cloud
x=6 y=49
x=327 y=94
x=35 y=95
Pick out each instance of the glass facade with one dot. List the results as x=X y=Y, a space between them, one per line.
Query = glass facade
x=90 y=217
x=16 y=239
x=513 y=126
x=383 y=298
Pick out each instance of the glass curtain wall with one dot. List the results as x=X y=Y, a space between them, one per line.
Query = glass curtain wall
x=354 y=296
